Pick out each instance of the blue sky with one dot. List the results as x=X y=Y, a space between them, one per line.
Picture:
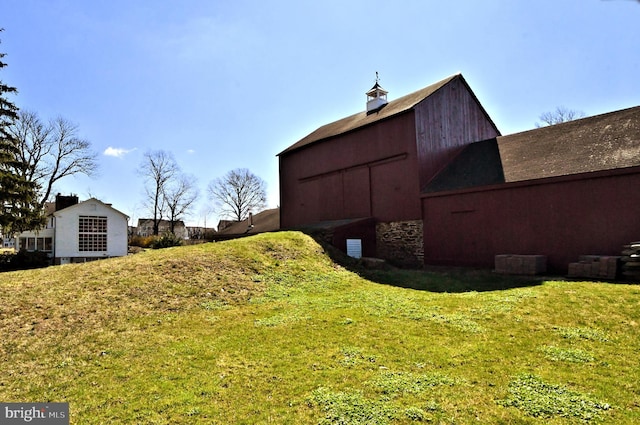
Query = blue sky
x=230 y=84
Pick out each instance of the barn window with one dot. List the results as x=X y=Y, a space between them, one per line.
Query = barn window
x=92 y=233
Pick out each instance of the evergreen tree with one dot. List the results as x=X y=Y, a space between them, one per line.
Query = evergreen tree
x=18 y=202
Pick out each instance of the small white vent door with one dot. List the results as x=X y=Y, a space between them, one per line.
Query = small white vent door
x=354 y=248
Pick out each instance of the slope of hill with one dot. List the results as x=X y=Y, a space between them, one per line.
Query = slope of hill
x=268 y=329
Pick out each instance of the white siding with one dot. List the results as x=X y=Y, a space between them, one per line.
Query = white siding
x=67 y=222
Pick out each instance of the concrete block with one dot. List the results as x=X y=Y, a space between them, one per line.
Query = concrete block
x=501 y=263
x=575 y=270
x=596 y=267
x=589 y=258
x=520 y=264
x=610 y=266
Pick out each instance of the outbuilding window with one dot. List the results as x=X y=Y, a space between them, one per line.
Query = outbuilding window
x=36 y=244
x=92 y=233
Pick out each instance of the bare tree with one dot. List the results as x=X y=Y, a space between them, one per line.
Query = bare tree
x=179 y=195
x=50 y=152
x=238 y=193
x=158 y=168
x=560 y=115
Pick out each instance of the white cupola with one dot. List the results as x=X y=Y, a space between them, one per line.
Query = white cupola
x=376 y=97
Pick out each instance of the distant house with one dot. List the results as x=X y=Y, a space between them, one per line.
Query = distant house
x=429 y=179
x=265 y=221
x=199 y=233
x=223 y=224
x=145 y=228
x=78 y=231
x=8 y=243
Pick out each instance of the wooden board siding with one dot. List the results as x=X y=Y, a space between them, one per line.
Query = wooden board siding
x=447 y=120
x=356 y=189
x=561 y=217
x=369 y=172
x=364 y=119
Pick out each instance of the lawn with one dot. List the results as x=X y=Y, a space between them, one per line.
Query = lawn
x=271 y=329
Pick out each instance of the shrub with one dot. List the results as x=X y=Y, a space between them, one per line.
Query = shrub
x=5 y=260
x=166 y=240
x=142 y=241
x=23 y=260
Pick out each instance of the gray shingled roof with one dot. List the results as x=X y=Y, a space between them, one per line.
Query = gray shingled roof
x=597 y=143
x=362 y=119
x=476 y=164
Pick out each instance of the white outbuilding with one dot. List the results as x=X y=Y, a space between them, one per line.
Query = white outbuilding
x=83 y=231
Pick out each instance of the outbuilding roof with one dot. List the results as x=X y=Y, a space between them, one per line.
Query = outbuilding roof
x=265 y=221
x=88 y=202
x=363 y=118
x=601 y=142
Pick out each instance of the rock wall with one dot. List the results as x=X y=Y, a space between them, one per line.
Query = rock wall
x=401 y=243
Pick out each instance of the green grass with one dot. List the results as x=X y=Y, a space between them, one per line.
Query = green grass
x=270 y=329
x=540 y=399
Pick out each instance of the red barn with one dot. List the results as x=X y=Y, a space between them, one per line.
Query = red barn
x=568 y=190
x=427 y=178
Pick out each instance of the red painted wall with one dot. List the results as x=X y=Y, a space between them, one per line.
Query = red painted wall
x=447 y=120
x=378 y=170
x=562 y=218
x=365 y=230
x=370 y=172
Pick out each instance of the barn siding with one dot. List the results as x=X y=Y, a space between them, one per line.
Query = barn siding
x=370 y=172
x=563 y=218
x=445 y=121
x=357 y=192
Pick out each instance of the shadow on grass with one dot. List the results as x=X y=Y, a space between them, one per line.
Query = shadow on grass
x=435 y=279
x=446 y=279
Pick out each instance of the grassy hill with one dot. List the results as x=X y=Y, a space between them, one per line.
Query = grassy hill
x=269 y=329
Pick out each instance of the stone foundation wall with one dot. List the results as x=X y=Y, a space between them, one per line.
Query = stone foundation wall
x=401 y=243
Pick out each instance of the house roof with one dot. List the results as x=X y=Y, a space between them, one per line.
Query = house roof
x=597 y=143
x=363 y=118
x=49 y=208
x=265 y=221
x=79 y=204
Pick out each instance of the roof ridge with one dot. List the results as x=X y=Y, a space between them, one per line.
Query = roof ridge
x=362 y=119
x=577 y=121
